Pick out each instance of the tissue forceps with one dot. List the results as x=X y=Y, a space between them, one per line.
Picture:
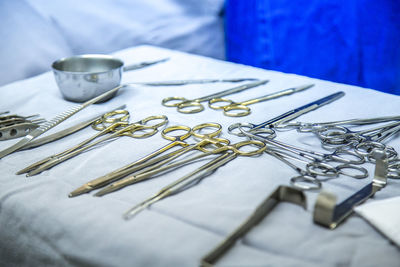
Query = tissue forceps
x=205 y=139
x=287 y=116
x=230 y=153
x=239 y=109
x=193 y=106
x=119 y=128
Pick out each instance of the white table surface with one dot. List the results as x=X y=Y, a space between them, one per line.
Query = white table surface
x=41 y=226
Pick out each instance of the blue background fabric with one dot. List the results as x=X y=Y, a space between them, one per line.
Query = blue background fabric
x=353 y=42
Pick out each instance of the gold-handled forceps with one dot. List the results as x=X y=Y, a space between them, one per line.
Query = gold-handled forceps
x=239 y=109
x=176 y=140
x=194 y=105
x=139 y=129
x=230 y=152
x=206 y=139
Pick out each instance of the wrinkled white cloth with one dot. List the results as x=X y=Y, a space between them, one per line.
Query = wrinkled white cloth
x=41 y=226
x=383 y=215
x=35 y=33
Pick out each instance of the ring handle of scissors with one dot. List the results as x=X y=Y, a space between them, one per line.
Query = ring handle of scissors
x=111 y=118
x=260 y=147
x=235 y=129
x=322 y=169
x=306 y=182
x=163 y=118
x=363 y=172
x=196 y=130
x=146 y=131
x=216 y=103
x=186 y=129
x=237 y=111
x=339 y=156
x=173 y=101
x=365 y=148
x=190 y=107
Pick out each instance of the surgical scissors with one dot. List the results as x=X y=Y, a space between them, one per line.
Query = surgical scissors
x=239 y=109
x=194 y=105
x=364 y=141
x=205 y=139
x=176 y=140
x=287 y=116
x=317 y=163
x=230 y=153
x=118 y=128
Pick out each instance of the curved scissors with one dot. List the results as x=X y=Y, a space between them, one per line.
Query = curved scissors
x=230 y=153
x=194 y=105
x=139 y=129
x=239 y=109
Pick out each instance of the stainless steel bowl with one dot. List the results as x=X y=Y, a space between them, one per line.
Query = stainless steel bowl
x=83 y=77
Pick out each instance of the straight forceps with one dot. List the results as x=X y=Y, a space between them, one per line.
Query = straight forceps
x=119 y=128
x=230 y=153
x=239 y=109
x=287 y=116
x=194 y=106
x=205 y=139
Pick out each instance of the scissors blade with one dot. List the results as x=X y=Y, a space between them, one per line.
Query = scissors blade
x=54 y=122
x=290 y=115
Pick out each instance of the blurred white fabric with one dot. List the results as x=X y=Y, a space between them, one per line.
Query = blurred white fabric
x=384 y=215
x=34 y=33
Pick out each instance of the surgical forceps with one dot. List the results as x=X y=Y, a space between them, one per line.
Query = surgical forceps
x=287 y=116
x=316 y=163
x=193 y=106
x=205 y=139
x=239 y=109
x=176 y=140
x=230 y=153
x=320 y=126
x=119 y=128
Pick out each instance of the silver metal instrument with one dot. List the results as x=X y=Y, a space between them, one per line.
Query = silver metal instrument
x=330 y=214
x=287 y=116
x=54 y=122
x=280 y=194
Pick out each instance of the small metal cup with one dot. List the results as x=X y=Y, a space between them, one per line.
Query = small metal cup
x=84 y=77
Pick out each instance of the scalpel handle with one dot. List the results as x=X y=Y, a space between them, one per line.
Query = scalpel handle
x=290 y=115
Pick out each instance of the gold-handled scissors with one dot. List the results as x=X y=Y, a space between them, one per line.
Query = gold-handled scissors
x=194 y=105
x=176 y=134
x=239 y=109
x=230 y=152
x=206 y=139
x=139 y=129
